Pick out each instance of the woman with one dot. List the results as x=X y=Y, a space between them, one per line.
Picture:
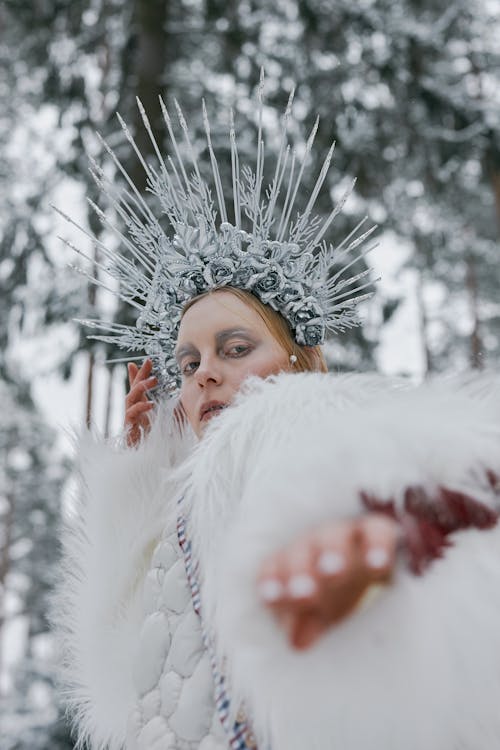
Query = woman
x=224 y=338
x=242 y=572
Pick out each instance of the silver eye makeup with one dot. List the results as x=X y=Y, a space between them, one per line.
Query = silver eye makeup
x=231 y=343
x=234 y=351
x=238 y=350
x=186 y=369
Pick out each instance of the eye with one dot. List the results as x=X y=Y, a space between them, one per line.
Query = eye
x=238 y=350
x=189 y=367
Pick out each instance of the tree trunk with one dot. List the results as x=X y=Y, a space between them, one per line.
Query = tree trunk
x=7 y=521
x=89 y=389
x=495 y=181
x=476 y=344
x=91 y=297
x=109 y=398
x=423 y=327
x=150 y=20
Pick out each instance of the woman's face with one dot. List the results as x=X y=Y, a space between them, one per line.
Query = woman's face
x=221 y=342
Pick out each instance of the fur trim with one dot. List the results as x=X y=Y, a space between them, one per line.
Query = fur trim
x=295 y=451
x=120 y=510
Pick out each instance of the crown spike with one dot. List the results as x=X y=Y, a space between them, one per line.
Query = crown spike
x=122 y=203
x=335 y=278
x=337 y=297
x=333 y=294
x=154 y=142
x=288 y=110
x=358 y=241
x=124 y=360
x=145 y=210
x=105 y=326
x=202 y=186
x=149 y=130
x=96 y=264
x=235 y=171
x=92 y=238
x=309 y=145
x=183 y=214
x=337 y=209
x=97 y=282
x=150 y=173
x=140 y=256
x=347 y=238
x=214 y=164
x=113 y=339
x=168 y=123
x=134 y=145
x=279 y=172
x=276 y=188
x=314 y=195
x=287 y=197
x=346 y=305
x=259 y=169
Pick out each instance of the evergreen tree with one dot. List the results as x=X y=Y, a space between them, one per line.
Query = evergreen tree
x=31 y=477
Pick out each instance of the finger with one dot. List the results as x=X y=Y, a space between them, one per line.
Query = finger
x=145 y=370
x=305 y=629
x=133 y=436
x=299 y=572
x=334 y=551
x=132 y=370
x=139 y=390
x=271 y=581
x=137 y=410
x=339 y=569
x=378 y=540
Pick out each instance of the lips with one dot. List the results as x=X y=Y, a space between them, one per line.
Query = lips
x=210 y=409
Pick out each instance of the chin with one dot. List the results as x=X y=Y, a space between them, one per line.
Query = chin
x=203 y=424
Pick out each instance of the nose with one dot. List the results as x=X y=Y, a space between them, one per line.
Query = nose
x=208 y=372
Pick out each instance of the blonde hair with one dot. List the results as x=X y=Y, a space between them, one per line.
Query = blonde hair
x=309 y=358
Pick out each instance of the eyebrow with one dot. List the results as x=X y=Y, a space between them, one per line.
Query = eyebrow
x=220 y=338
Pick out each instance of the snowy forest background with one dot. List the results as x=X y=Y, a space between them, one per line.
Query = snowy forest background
x=411 y=92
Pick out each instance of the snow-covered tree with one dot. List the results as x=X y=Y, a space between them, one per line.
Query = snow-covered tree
x=31 y=477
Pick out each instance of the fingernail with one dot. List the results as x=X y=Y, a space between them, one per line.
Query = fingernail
x=271 y=590
x=377 y=557
x=301 y=585
x=331 y=563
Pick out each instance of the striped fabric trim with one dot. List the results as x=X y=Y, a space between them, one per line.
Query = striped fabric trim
x=240 y=735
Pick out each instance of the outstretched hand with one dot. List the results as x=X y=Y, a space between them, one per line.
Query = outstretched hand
x=137 y=404
x=321 y=578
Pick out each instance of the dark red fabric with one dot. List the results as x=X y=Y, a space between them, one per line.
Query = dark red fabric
x=494 y=480
x=428 y=518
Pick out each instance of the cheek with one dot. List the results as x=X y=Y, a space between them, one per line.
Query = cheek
x=187 y=398
x=265 y=362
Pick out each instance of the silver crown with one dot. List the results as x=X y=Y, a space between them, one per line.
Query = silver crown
x=283 y=261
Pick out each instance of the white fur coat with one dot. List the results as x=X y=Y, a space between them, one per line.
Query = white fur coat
x=418 y=669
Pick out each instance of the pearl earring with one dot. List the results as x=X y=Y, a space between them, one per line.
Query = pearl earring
x=293 y=359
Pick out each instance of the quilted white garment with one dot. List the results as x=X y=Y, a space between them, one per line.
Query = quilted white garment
x=136 y=673
x=172 y=671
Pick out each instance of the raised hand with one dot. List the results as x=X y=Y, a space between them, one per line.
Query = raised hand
x=321 y=578
x=137 y=404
